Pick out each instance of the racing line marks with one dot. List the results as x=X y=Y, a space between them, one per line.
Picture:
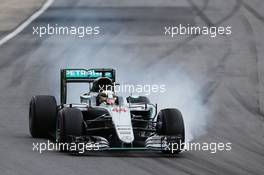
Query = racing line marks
x=21 y=27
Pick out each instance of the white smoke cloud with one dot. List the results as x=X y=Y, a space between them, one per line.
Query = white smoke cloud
x=181 y=91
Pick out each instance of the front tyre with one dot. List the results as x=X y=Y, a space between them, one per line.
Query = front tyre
x=171 y=125
x=42 y=116
x=70 y=124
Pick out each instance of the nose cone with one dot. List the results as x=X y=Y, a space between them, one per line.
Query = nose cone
x=127 y=139
x=121 y=118
x=125 y=134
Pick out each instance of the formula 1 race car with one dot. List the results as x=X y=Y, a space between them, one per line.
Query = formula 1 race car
x=105 y=119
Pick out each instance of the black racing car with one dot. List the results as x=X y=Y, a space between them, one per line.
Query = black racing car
x=105 y=119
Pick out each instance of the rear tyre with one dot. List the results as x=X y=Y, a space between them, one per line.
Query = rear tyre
x=70 y=123
x=170 y=123
x=42 y=116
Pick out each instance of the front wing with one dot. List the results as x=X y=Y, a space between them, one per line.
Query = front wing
x=153 y=143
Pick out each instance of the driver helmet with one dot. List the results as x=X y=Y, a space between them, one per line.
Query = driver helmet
x=107 y=97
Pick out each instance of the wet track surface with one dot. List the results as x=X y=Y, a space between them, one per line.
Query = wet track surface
x=218 y=81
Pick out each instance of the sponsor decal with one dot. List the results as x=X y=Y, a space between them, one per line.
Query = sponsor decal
x=80 y=73
x=119 y=110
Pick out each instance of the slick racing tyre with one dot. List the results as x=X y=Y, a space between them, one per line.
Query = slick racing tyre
x=70 y=123
x=170 y=124
x=42 y=116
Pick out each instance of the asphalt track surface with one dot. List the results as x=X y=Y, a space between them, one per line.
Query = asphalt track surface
x=225 y=72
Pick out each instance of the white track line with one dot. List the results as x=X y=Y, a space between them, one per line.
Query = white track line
x=21 y=27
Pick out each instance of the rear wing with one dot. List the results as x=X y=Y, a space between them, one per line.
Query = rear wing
x=82 y=76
